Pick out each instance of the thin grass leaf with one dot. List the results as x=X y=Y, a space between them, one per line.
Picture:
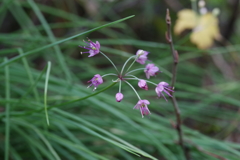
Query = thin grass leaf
x=35 y=92
x=41 y=136
x=61 y=41
x=45 y=91
x=7 y=112
x=53 y=40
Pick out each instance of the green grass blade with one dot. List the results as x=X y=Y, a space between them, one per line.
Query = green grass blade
x=45 y=91
x=61 y=41
x=52 y=38
x=41 y=136
x=25 y=62
x=7 y=127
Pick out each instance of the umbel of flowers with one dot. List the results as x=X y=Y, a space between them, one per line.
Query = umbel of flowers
x=125 y=75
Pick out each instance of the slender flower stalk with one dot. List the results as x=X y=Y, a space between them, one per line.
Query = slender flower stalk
x=124 y=65
x=132 y=63
x=174 y=73
x=141 y=57
x=133 y=89
x=110 y=61
x=134 y=70
x=109 y=74
x=120 y=86
x=136 y=78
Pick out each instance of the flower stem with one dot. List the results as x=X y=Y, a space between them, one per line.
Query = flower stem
x=132 y=63
x=134 y=70
x=120 y=86
x=136 y=78
x=174 y=101
x=109 y=74
x=110 y=61
x=124 y=65
x=133 y=89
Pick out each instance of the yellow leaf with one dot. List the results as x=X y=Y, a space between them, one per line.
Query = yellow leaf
x=206 y=31
x=187 y=19
x=205 y=27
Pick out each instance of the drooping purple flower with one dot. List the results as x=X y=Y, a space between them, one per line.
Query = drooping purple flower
x=163 y=87
x=96 y=80
x=151 y=70
x=142 y=106
x=119 y=97
x=143 y=84
x=142 y=56
x=94 y=48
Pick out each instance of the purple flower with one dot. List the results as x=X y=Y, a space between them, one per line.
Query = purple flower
x=94 y=48
x=96 y=80
x=142 y=106
x=119 y=97
x=163 y=87
x=141 y=56
x=143 y=84
x=151 y=70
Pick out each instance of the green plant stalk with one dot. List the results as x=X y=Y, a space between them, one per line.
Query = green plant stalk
x=124 y=65
x=110 y=61
x=7 y=127
x=133 y=89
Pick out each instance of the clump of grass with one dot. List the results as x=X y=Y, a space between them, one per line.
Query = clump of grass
x=98 y=127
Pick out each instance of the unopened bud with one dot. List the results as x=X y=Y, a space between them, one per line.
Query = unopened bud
x=119 y=97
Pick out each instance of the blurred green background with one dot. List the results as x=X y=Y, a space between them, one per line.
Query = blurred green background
x=36 y=33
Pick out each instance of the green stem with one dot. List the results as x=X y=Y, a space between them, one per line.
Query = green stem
x=124 y=65
x=133 y=89
x=109 y=74
x=110 y=61
x=139 y=79
x=120 y=86
x=132 y=62
x=134 y=70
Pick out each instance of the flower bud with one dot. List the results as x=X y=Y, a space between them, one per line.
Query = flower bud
x=119 y=97
x=143 y=84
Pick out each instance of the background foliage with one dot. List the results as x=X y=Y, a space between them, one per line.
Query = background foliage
x=35 y=34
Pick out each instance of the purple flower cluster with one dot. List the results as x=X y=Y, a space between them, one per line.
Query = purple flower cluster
x=150 y=70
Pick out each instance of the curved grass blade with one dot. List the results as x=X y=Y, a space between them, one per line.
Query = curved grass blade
x=61 y=41
x=45 y=90
x=7 y=127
